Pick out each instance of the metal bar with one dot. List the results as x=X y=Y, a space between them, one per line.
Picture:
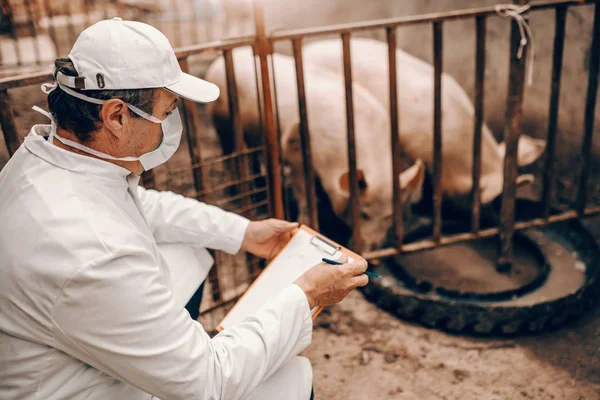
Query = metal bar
x=437 y=131
x=309 y=172
x=8 y=123
x=512 y=129
x=592 y=211
x=51 y=27
x=411 y=20
x=71 y=35
x=590 y=106
x=395 y=139
x=239 y=196
x=13 y=32
x=480 y=30
x=353 y=175
x=178 y=25
x=557 y=60
x=258 y=92
x=238 y=128
x=250 y=207
x=219 y=159
x=215 y=282
x=148 y=179
x=191 y=131
x=194 y=33
x=263 y=48
x=230 y=184
x=33 y=31
x=218 y=45
x=468 y=236
x=87 y=21
x=286 y=200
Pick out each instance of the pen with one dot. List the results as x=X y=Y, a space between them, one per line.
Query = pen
x=332 y=262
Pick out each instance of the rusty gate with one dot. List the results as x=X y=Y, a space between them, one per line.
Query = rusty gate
x=209 y=176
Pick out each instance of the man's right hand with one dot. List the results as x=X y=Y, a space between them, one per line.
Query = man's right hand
x=326 y=284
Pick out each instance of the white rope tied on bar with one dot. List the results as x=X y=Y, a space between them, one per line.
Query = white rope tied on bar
x=515 y=11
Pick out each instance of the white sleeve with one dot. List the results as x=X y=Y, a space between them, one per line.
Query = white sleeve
x=118 y=315
x=177 y=219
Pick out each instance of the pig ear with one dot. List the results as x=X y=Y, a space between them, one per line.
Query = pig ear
x=345 y=181
x=411 y=182
x=530 y=149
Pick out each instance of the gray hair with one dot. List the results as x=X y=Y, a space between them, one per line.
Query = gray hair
x=81 y=117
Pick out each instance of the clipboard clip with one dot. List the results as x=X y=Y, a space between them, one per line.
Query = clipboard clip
x=324 y=245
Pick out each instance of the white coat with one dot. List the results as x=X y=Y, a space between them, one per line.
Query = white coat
x=87 y=308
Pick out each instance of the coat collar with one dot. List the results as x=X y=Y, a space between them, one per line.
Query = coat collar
x=37 y=144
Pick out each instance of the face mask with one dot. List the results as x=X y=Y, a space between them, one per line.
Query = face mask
x=171 y=126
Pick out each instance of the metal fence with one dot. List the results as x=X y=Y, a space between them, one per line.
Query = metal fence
x=36 y=32
x=232 y=182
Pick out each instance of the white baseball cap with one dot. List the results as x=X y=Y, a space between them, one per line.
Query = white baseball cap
x=115 y=54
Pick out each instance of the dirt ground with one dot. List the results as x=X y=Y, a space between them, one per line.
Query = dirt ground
x=361 y=352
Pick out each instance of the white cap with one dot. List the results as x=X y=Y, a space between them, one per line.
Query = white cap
x=115 y=54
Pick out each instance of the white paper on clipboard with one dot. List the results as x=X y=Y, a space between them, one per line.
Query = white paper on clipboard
x=303 y=251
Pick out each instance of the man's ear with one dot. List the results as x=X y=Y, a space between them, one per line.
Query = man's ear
x=345 y=181
x=113 y=115
x=411 y=182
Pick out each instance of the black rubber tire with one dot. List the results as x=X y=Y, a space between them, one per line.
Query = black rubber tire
x=504 y=318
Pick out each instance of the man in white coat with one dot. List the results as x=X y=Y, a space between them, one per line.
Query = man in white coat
x=87 y=309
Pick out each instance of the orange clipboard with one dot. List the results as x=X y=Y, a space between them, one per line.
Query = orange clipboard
x=325 y=248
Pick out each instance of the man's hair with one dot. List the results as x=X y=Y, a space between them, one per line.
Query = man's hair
x=81 y=117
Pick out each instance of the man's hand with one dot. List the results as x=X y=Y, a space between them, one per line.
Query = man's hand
x=326 y=284
x=266 y=238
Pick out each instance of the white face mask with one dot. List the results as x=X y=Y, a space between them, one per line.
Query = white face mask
x=171 y=126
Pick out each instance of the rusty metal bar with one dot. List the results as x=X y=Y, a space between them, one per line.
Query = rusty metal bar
x=411 y=20
x=395 y=139
x=590 y=106
x=215 y=282
x=263 y=49
x=258 y=92
x=8 y=123
x=71 y=35
x=285 y=197
x=469 y=236
x=354 y=191
x=557 y=60
x=240 y=196
x=250 y=207
x=33 y=31
x=51 y=27
x=480 y=30
x=13 y=31
x=592 y=211
x=219 y=159
x=238 y=128
x=218 y=45
x=194 y=21
x=437 y=131
x=512 y=129
x=230 y=184
x=87 y=21
x=309 y=172
x=181 y=53
x=191 y=131
x=148 y=179
x=178 y=25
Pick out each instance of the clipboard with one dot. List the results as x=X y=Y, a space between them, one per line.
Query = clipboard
x=303 y=251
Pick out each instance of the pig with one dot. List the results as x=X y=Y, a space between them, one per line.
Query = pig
x=415 y=105
x=327 y=126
